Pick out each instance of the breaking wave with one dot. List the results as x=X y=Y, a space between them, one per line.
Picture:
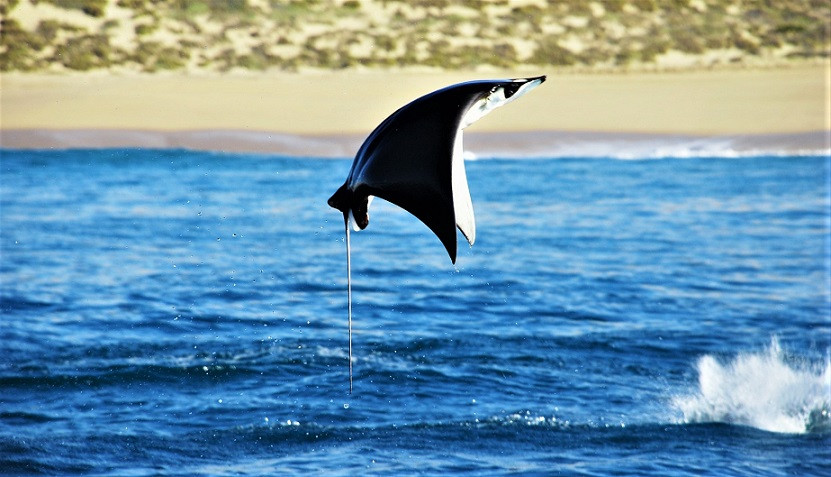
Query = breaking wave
x=761 y=390
x=556 y=144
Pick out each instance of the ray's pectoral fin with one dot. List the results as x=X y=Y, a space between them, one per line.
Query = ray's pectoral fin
x=462 y=204
x=341 y=199
x=433 y=207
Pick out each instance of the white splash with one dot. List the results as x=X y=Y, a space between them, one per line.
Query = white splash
x=761 y=390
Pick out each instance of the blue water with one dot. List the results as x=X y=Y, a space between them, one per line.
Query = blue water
x=167 y=312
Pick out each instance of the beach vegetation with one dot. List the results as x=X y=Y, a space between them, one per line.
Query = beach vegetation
x=213 y=7
x=549 y=52
x=743 y=42
x=142 y=29
x=443 y=55
x=47 y=30
x=226 y=59
x=84 y=52
x=594 y=55
x=650 y=50
x=6 y=7
x=258 y=59
x=686 y=40
x=614 y=6
x=385 y=43
x=644 y=5
x=109 y=24
x=16 y=47
x=450 y=34
x=153 y=56
x=293 y=14
x=132 y=4
x=93 y=8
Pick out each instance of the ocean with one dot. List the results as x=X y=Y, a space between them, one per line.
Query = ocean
x=173 y=312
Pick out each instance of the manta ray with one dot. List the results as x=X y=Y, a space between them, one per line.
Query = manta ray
x=414 y=159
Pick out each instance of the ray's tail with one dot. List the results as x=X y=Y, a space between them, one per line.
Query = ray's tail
x=349 y=291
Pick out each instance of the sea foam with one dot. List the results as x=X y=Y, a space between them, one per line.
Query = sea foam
x=761 y=390
x=628 y=146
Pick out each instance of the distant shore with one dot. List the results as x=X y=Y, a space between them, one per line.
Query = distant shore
x=527 y=144
x=328 y=113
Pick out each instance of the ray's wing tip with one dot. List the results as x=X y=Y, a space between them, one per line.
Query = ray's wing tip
x=540 y=78
x=469 y=235
x=451 y=252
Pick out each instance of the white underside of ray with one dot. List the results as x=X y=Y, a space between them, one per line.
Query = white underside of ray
x=462 y=205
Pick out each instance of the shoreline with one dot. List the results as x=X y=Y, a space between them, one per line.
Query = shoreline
x=518 y=144
x=329 y=113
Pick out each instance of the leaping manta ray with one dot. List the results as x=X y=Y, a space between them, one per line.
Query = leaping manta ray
x=414 y=160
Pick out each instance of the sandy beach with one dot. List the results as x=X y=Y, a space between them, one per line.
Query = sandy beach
x=328 y=113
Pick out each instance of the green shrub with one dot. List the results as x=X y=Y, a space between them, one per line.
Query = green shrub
x=6 y=7
x=258 y=59
x=217 y=8
x=48 y=30
x=18 y=47
x=653 y=48
x=133 y=4
x=145 y=28
x=93 y=8
x=84 y=52
x=549 y=52
x=153 y=56
x=687 y=41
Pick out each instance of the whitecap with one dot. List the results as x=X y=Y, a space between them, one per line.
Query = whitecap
x=761 y=390
x=636 y=146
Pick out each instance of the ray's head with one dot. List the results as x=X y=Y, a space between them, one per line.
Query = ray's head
x=496 y=93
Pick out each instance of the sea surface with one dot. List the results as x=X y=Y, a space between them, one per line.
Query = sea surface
x=170 y=312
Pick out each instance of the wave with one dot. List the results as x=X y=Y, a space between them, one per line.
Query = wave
x=478 y=145
x=633 y=146
x=761 y=390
